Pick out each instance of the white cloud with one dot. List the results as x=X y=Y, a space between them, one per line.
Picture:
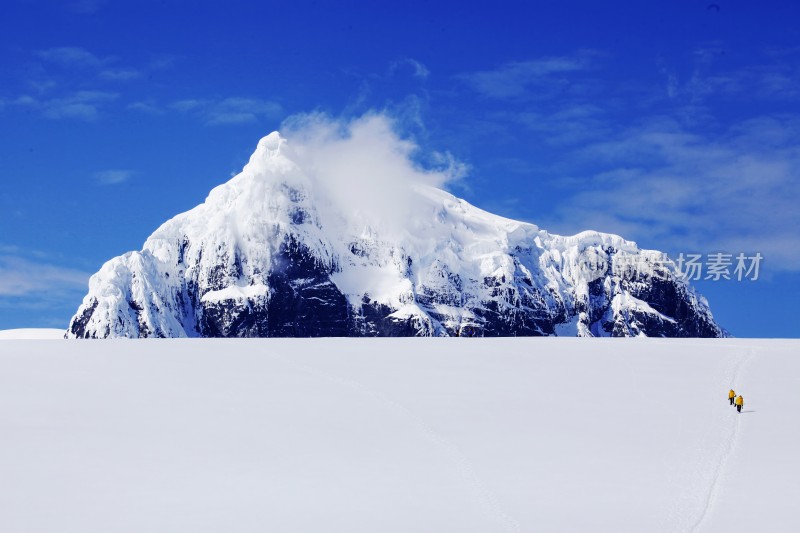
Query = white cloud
x=364 y=167
x=189 y=105
x=9 y=249
x=519 y=78
x=162 y=62
x=694 y=180
x=84 y=105
x=416 y=68
x=112 y=177
x=234 y=110
x=776 y=77
x=72 y=56
x=42 y=86
x=146 y=106
x=26 y=100
x=241 y=110
x=120 y=74
x=569 y=123
x=22 y=277
x=684 y=191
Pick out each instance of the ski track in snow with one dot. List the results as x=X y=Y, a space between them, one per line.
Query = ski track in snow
x=731 y=437
x=486 y=498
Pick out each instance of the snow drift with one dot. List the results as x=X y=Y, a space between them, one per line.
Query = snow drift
x=338 y=233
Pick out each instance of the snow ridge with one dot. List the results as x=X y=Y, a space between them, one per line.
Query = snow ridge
x=273 y=252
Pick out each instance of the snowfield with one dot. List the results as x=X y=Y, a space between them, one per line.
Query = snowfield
x=399 y=435
x=31 y=333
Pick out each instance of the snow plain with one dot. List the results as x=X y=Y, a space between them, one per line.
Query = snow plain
x=31 y=333
x=398 y=435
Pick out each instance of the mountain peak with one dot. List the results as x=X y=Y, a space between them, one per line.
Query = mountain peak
x=307 y=243
x=272 y=153
x=270 y=145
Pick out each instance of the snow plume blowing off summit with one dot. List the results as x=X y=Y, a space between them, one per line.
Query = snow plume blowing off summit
x=362 y=170
x=332 y=229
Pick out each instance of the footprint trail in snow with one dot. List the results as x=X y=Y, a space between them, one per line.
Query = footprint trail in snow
x=728 y=444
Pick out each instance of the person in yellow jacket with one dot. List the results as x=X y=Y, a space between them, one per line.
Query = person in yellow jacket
x=739 y=403
x=731 y=396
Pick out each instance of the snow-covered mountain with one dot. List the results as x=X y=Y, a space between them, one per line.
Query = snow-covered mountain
x=270 y=254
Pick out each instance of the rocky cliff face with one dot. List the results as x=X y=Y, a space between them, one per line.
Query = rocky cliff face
x=267 y=255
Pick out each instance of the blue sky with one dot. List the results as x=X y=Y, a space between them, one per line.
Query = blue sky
x=674 y=124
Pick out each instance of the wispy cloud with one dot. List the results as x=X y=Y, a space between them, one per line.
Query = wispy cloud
x=775 y=78
x=162 y=62
x=519 y=78
x=72 y=56
x=234 y=110
x=416 y=68
x=670 y=168
x=35 y=288
x=112 y=177
x=188 y=105
x=71 y=82
x=84 y=105
x=22 y=277
x=42 y=86
x=686 y=191
x=241 y=110
x=120 y=74
x=105 y=68
x=149 y=107
x=565 y=124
